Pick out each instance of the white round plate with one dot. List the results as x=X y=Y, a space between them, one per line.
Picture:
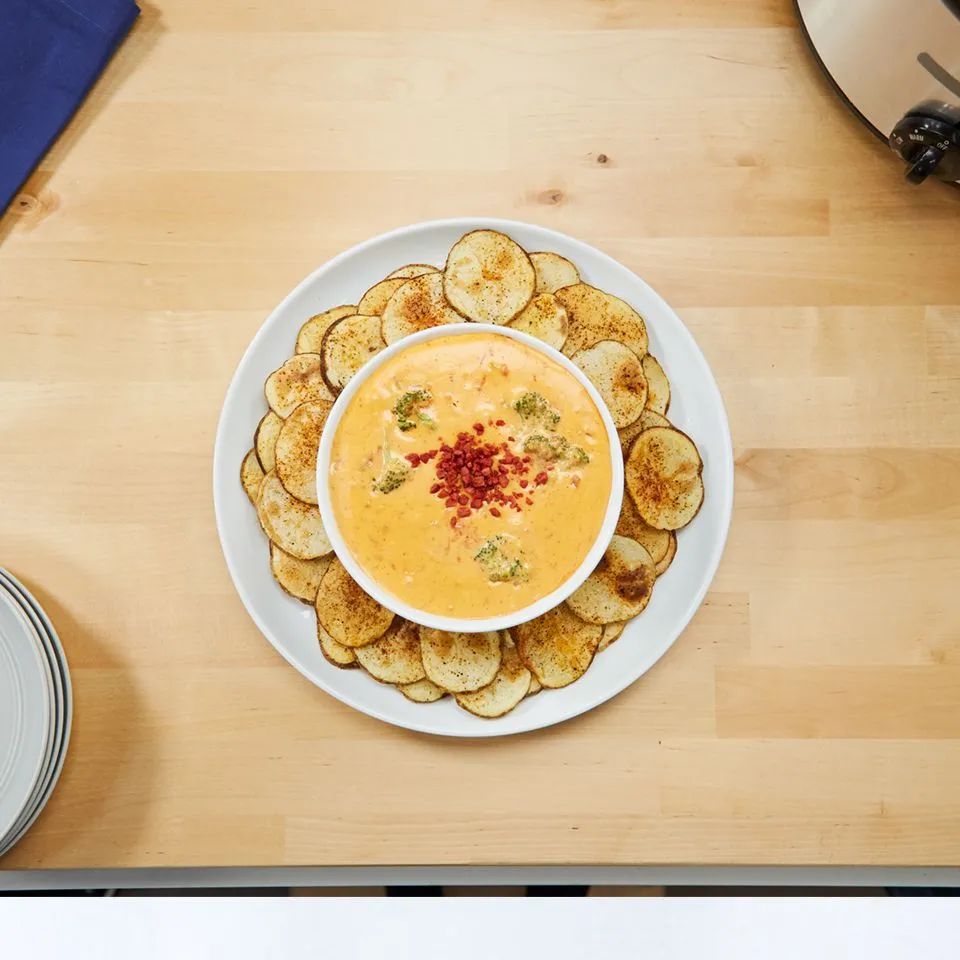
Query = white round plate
x=25 y=674
x=696 y=407
x=63 y=706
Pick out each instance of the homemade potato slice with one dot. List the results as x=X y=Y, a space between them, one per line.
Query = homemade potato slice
x=558 y=646
x=664 y=564
x=335 y=653
x=460 y=662
x=412 y=270
x=620 y=586
x=545 y=319
x=251 y=475
x=265 y=440
x=347 y=346
x=296 y=449
x=535 y=685
x=394 y=657
x=349 y=615
x=649 y=418
x=488 y=277
x=552 y=272
x=291 y=524
x=417 y=305
x=300 y=379
x=662 y=475
x=422 y=691
x=611 y=632
x=300 y=578
x=375 y=299
x=631 y=524
x=658 y=386
x=311 y=333
x=616 y=372
x=505 y=691
x=593 y=315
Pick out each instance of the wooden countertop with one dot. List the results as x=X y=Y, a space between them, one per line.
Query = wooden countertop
x=809 y=715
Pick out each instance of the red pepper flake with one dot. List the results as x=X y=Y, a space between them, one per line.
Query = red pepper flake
x=501 y=423
x=529 y=501
x=524 y=484
x=512 y=439
x=478 y=428
x=453 y=521
x=451 y=502
x=476 y=503
x=414 y=459
x=494 y=512
x=541 y=478
x=434 y=487
x=463 y=511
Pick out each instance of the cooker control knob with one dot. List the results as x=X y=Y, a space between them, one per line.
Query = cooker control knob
x=928 y=140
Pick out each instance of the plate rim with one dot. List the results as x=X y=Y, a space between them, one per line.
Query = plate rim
x=485 y=728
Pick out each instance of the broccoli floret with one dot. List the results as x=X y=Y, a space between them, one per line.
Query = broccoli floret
x=409 y=409
x=554 y=447
x=395 y=472
x=578 y=456
x=501 y=560
x=534 y=408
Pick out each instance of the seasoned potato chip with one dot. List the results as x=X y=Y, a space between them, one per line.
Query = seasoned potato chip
x=535 y=685
x=662 y=474
x=658 y=386
x=488 y=277
x=394 y=657
x=631 y=524
x=664 y=564
x=265 y=440
x=504 y=692
x=616 y=372
x=349 y=615
x=544 y=319
x=251 y=474
x=335 y=653
x=347 y=346
x=417 y=305
x=291 y=524
x=460 y=662
x=311 y=333
x=300 y=578
x=375 y=299
x=300 y=379
x=593 y=315
x=558 y=646
x=649 y=418
x=620 y=586
x=296 y=449
x=412 y=270
x=611 y=632
x=422 y=691
x=553 y=272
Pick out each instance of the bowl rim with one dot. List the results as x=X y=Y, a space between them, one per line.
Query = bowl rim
x=468 y=624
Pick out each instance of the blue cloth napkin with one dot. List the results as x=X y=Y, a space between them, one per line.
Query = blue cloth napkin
x=51 y=52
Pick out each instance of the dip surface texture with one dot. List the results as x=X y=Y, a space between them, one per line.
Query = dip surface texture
x=470 y=475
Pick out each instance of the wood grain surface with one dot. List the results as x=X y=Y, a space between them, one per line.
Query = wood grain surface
x=811 y=712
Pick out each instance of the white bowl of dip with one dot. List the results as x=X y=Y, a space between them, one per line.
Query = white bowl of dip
x=451 y=622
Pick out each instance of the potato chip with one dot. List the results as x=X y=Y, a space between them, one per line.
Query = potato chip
x=299 y=578
x=558 y=646
x=417 y=305
x=662 y=474
x=296 y=449
x=335 y=653
x=412 y=270
x=545 y=319
x=311 y=333
x=631 y=524
x=291 y=524
x=372 y=303
x=422 y=691
x=351 y=616
x=616 y=372
x=265 y=440
x=593 y=315
x=611 y=632
x=553 y=272
x=505 y=691
x=488 y=277
x=658 y=386
x=664 y=564
x=347 y=346
x=620 y=586
x=535 y=686
x=394 y=657
x=251 y=475
x=460 y=662
x=300 y=379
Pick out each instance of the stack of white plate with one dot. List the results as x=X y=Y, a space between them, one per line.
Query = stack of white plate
x=36 y=708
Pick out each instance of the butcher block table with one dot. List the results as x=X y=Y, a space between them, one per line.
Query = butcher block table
x=810 y=714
